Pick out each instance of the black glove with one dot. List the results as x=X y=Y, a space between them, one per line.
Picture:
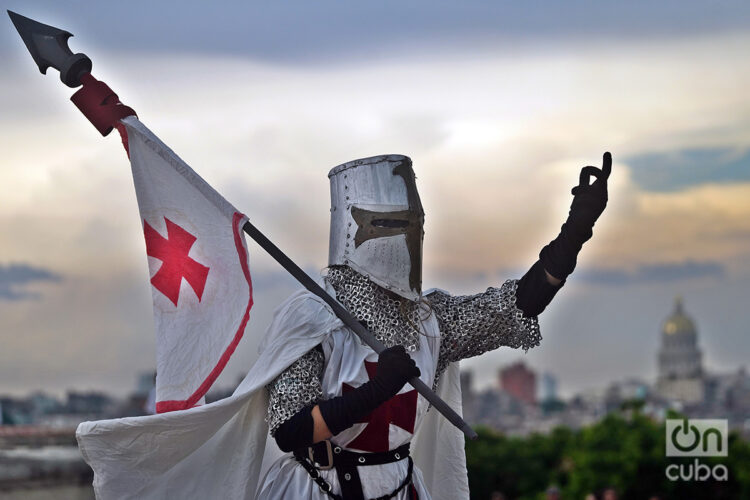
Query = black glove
x=589 y=201
x=395 y=368
x=297 y=431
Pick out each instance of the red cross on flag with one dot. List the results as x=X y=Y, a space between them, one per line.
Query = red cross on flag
x=198 y=263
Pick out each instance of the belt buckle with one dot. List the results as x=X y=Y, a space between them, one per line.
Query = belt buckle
x=329 y=452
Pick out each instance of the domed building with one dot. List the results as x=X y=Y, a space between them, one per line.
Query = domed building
x=680 y=367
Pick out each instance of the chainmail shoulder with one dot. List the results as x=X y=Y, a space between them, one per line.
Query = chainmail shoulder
x=474 y=324
x=296 y=387
x=392 y=319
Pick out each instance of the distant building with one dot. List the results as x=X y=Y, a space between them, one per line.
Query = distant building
x=681 y=375
x=43 y=404
x=548 y=388
x=728 y=395
x=738 y=396
x=145 y=382
x=468 y=398
x=519 y=381
x=631 y=390
x=95 y=403
x=15 y=411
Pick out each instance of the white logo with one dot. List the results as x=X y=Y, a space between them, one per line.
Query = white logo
x=697 y=471
x=697 y=437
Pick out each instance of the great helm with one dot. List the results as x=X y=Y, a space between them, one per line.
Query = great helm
x=377 y=222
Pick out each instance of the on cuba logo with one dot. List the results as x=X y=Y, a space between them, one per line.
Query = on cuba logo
x=697 y=437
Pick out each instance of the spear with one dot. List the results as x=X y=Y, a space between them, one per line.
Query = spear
x=49 y=48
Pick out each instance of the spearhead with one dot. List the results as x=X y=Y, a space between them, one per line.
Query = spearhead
x=49 y=47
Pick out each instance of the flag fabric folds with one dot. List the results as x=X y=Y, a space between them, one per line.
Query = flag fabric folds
x=198 y=263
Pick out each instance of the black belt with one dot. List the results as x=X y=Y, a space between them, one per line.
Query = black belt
x=325 y=456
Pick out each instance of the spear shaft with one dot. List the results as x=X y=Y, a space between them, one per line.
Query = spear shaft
x=357 y=327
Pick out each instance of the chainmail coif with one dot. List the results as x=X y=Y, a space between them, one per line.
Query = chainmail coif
x=392 y=319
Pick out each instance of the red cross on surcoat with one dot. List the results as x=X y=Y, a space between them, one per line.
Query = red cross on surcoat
x=400 y=410
x=176 y=264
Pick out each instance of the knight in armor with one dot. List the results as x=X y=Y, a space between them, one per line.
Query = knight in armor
x=346 y=414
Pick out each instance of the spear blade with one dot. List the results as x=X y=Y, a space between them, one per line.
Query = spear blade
x=49 y=48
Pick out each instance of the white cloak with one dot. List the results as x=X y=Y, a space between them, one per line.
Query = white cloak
x=219 y=450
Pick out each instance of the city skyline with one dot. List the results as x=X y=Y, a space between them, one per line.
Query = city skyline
x=498 y=108
x=489 y=383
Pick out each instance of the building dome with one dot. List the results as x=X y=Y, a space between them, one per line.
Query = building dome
x=678 y=323
x=680 y=367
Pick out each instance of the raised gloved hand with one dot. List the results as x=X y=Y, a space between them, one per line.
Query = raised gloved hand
x=589 y=201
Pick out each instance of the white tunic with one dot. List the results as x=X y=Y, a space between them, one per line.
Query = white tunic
x=451 y=328
x=348 y=364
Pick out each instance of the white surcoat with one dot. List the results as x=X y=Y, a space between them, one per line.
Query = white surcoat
x=349 y=364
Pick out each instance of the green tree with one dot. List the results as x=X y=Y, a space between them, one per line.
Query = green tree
x=625 y=451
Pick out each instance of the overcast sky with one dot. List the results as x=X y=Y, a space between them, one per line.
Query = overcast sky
x=499 y=105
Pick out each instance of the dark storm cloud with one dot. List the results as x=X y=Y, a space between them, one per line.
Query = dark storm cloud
x=14 y=277
x=297 y=30
x=683 y=169
x=652 y=273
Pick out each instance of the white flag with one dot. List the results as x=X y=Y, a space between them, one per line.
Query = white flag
x=199 y=270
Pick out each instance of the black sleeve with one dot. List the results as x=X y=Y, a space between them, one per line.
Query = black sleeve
x=296 y=432
x=395 y=367
x=534 y=292
x=339 y=413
